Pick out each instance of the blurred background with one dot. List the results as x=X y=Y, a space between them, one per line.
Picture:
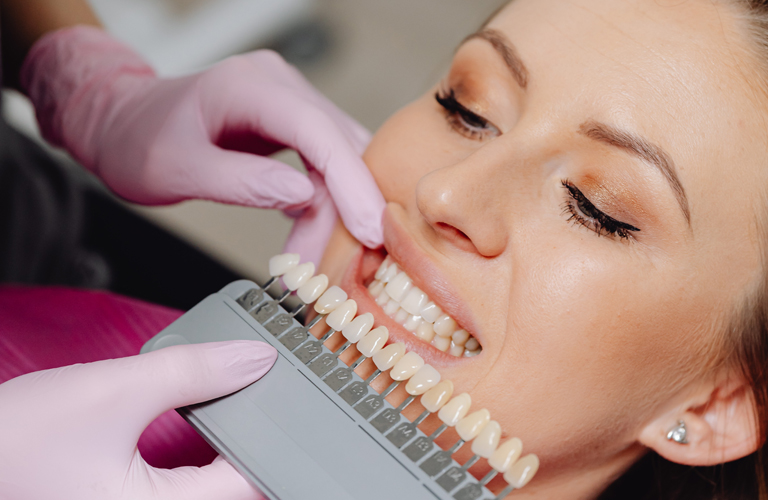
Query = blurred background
x=370 y=57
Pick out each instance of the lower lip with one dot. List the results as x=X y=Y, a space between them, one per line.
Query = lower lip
x=360 y=270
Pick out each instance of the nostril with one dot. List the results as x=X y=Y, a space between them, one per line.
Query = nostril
x=455 y=236
x=450 y=229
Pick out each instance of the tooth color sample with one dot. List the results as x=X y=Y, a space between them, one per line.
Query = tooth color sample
x=342 y=315
x=445 y=326
x=522 y=471
x=373 y=341
x=422 y=381
x=406 y=367
x=425 y=332
x=399 y=286
x=312 y=289
x=330 y=300
x=436 y=397
x=280 y=264
x=455 y=409
x=470 y=426
x=299 y=275
x=414 y=301
x=387 y=357
x=358 y=327
x=460 y=337
x=441 y=343
x=506 y=454
x=431 y=312
x=472 y=344
x=488 y=440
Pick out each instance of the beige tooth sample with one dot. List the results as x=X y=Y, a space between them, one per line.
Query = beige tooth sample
x=299 y=275
x=522 y=471
x=470 y=426
x=312 y=289
x=373 y=341
x=406 y=367
x=430 y=312
x=472 y=344
x=506 y=454
x=425 y=332
x=280 y=264
x=330 y=300
x=399 y=286
x=437 y=397
x=423 y=380
x=342 y=315
x=488 y=440
x=358 y=327
x=441 y=343
x=444 y=326
x=387 y=357
x=455 y=409
x=414 y=301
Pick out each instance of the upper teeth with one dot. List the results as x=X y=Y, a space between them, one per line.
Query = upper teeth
x=394 y=291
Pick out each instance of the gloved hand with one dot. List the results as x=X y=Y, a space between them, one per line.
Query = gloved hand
x=71 y=433
x=159 y=141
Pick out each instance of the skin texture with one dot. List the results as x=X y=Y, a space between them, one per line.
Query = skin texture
x=593 y=345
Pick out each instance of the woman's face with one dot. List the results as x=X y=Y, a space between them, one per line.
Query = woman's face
x=583 y=201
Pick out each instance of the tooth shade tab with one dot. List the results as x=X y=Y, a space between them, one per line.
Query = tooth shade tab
x=406 y=367
x=342 y=315
x=281 y=264
x=455 y=409
x=387 y=357
x=522 y=471
x=435 y=398
x=373 y=341
x=330 y=300
x=506 y=454
x=425 y=332
x=488 y=440
x=444 y=326
x=414 y=301
x=312 y=289
x=423 y=380
x=470 y=426
x=390 y=273
x=430 y=312
x=358 y=327
x=299 y=275
x=399 y=286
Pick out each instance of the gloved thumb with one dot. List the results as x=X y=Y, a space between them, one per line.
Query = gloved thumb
x=217 y=480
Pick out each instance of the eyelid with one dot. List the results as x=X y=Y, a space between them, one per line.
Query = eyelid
x=449 y=102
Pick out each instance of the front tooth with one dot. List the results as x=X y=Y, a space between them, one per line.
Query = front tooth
x=281 y=264
x=425 y=332
x=406 y=367
x=506 y=454
x=472 y=344
x=456 y=350
x=342 y=315
x=373 y=341
x=414 y=301
x=522 y=471
x=423 y=380
x=413 y=323
x=460 y=337
x=375 y=288
x=387 y=357
x=445 y=326
x=358 y=328
x=390 y=273
x=392 y=307
x=436 y=397
x=312 y=289
x=441 y=343
x=330 y=300
x=299 y=275
x=399 y=286
x=470 y=426
x=488 y=440
x=455 y=410
x=431 y=312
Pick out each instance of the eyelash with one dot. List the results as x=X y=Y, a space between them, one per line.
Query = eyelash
x=583 y=212
x=462 y=120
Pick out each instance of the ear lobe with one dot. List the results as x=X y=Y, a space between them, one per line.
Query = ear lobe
x=720 y=426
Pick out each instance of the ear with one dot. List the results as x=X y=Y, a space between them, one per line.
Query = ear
x=720 y=425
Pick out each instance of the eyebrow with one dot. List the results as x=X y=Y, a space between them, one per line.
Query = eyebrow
x=506 y=50
x=643 y=149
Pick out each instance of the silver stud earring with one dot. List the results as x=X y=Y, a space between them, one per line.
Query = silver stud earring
x=678 y=433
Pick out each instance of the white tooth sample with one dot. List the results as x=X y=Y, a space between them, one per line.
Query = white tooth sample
x=381 y=270
x=401 y=316
x=387 y=357
x=375 y=288
x=425 y=332
x=280 y=264
x=299 y=275
x=460 y=337
x=358 y=327
x=441 y=343
x=431 y=312
x=342 y=315
x=455 y=409
x=436 y=397
x=470 y=426
x=412 y=323
x=406 y=367
x=373 y=341
x=392 y=307
x=506 y=454
x=390 y=273
x=414 y=301
x=472 y=344
x=488 y=440
x=444 y=326
x=312 y=289
x=399 y=286
x=456 y=350
x=522 y=471
x=330 y=300
x=422 y=381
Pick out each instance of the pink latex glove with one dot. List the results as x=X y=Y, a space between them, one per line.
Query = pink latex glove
x=71 y=433
x=159 y=141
